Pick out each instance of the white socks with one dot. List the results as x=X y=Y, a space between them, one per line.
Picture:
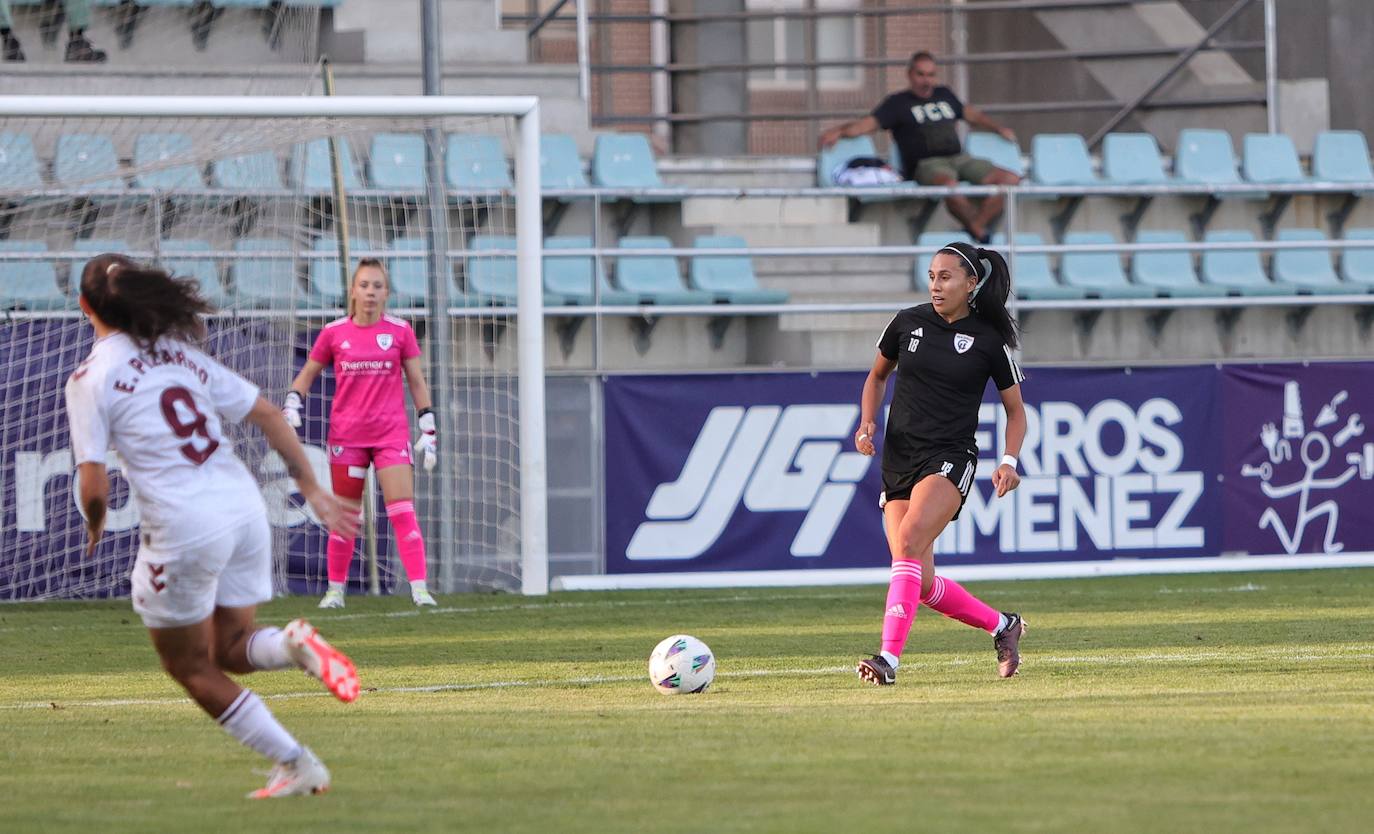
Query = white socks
x=417 y=586
x=892 y=659
x=250 y=721
x=267 y=649
x=338 y=586
x=1002 y=623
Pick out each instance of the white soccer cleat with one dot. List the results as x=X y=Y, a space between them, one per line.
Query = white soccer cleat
x=332 y=599
x=422 y=598
x=306 y=775
x=321 y=660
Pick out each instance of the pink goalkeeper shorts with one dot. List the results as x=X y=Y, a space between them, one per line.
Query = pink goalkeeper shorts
x=380 y=457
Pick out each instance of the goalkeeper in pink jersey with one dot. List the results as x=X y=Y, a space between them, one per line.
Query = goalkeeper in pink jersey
x=369 y=352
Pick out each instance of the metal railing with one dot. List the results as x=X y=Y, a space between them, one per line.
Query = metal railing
x=872 y=71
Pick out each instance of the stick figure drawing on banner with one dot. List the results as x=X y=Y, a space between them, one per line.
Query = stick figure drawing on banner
x=1313 y=461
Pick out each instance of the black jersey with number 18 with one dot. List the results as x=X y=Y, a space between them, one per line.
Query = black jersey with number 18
x=942 y=371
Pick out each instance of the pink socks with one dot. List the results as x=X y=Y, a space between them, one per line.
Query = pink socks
x=903 y=595
x=338 y=554
x=949 y=598
x=410 y=544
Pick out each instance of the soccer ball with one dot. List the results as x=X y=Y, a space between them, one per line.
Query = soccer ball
x=681 y=664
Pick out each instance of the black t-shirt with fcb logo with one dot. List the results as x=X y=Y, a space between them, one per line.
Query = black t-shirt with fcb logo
x=942 y=371
x=921 y=127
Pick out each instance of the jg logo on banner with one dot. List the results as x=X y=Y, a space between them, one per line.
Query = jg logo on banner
x=752 y=472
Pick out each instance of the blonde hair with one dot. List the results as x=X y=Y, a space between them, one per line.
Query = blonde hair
x=373 y=263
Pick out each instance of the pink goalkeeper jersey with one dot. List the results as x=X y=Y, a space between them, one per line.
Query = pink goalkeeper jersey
x=369 y=403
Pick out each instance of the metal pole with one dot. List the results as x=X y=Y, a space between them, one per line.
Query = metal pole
x=584 y=61
x=660 y=91
x=958 y=38
x=813 y=77
x=1271 y=66
x=1010 y=215
x=440 y=328
x=534 y=532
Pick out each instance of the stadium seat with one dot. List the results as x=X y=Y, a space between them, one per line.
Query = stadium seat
x=559 y=164
x=477 y=163
x=1205 y=156
x=1171 y=272
x=920 y=276
x=729 y=278
x=182 y=257
x=494 y=281
x=325 y=285
x=29 y=285
x=838 y=154
x=397 y=162
x=1341 y=156
x=1239 y=269
x=1099 y=273
x=311 y=169
x=151 y=152
x=87 y=161
x=1061 y=159
x=265 y=282
x=1307 y=269
x=1357 y=265
x=1271 y=158
x=1000 y=152
x=625 y=160
x=656 y=279
x=19 y=169
x=570 y=276
x=1132 y=159
x=1032 y=278
x=259 y=171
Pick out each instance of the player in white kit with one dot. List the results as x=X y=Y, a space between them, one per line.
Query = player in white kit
x=204 y=559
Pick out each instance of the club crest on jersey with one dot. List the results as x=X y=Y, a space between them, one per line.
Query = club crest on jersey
x=384 y=341
x=962 y=342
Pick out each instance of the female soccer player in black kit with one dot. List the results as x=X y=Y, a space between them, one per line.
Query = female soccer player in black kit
x=944 y=353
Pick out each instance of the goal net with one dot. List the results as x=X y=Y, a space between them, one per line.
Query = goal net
x=269 y=203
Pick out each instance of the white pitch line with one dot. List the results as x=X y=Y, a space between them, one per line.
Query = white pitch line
x=1029 y=661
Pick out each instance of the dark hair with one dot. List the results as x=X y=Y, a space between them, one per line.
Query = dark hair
x=917 y=57
x=988 y=267
x=145 y=302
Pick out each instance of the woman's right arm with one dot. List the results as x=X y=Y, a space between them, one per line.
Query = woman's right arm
x=870 y=401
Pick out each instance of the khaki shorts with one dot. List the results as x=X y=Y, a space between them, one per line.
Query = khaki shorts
x=961 y=166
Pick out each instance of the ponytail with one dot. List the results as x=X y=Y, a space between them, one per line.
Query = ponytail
x=144 y=302
x=988 y=301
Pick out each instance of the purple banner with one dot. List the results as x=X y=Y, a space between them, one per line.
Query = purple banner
x=758 y=472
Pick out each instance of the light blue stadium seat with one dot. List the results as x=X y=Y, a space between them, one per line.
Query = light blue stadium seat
x=29 y=285
x=1000 y=152
x=477 y=163
x=1271 y=158
x=19 y=169
x=838 y=154
x=1099 y=273
x=729 y=278
x=1132 y=159
x=559 y=164
x=1061 y=159
x=920 y=276
x=241 y=4
x=655 y=280
x=397 y=162
x=1033 y=279
x=325 y=284
x=1171 y=272
x=494 y=281
x=1307 y=269
x=570 y=276
x=1341 y=156
x=311 y=171
x=1205 y=156
x=625 y=160
x=182 y=257
x=151 y=154
x=1239 y=269
x=265 y=282
x=409 y=271
x=259 y=171
x=87 y=161
x=1357 y=265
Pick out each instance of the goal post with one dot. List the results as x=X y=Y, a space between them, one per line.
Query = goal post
x=486 y=524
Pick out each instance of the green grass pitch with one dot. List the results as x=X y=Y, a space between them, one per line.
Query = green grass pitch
x=1213 y=703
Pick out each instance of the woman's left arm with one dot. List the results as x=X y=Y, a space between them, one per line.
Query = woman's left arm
x=1005 y=479
x=415 y=378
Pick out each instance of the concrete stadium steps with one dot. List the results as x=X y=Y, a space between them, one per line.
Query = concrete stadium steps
x=725 y=213
x=385 y=31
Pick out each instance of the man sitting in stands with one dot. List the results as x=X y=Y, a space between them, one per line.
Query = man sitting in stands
x=922 y=122
x=79 y=49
